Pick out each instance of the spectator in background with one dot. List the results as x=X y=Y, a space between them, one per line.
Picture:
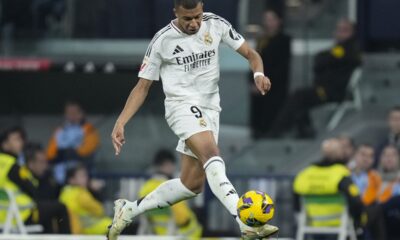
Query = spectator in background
x=348 y=148
x=22 y=134
x=176 y=220
x=390 y=191
x=367 y=180
x=390 y=172
x=332 y=71
x=278 y=6
x=36 y=162
x=369 y=183
x=87 y=213
x=74 y=142
x=327 y=177
x=393 y=136
x=330 y=177
x=274 y=49
x=52 y=215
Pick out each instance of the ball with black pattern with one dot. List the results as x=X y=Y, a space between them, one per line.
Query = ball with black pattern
x=255 y=208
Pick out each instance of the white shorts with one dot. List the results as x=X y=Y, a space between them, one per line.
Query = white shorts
x=186 y=119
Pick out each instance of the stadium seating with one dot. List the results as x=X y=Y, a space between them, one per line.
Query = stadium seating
x=13 y=221
x=344 y=230
x=337 y=110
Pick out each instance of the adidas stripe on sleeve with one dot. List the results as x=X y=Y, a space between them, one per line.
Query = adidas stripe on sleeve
x=150 y=68
x=229 y=34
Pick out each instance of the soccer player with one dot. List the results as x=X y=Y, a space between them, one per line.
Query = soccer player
x=185 y=55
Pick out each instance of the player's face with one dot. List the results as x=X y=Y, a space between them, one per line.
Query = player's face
x=189 y=20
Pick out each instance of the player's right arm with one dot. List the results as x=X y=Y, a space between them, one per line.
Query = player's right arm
x=149 y=72
x=132 y=105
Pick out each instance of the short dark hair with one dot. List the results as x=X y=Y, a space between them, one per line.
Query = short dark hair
x=367 y=145
x=163 y=156
x=71 y=172
x=30 y=151
x=275 y=11
x=73 y=102
x=187 y=4
x=7 y=132
x=395 y=109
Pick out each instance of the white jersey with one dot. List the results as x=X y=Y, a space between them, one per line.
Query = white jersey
x=189 y=64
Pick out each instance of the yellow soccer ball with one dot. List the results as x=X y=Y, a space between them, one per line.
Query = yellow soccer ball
x=255 y=208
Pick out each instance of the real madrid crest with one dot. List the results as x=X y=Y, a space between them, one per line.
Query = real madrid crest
x=208 y=40
x=203 y=123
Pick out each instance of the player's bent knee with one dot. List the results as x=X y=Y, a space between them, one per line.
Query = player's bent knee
x=194 y=185
x=200 y=184
x=198 y=189
x=209 y=154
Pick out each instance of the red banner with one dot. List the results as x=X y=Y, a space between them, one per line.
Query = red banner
x=16 y=64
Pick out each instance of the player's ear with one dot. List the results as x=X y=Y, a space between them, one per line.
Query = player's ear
x=176 y=15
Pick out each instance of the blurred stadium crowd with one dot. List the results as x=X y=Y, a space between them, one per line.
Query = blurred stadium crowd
x=93 y=18
x=52 y=185
x=55 y=185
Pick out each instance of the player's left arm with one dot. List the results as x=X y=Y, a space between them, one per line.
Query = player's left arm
x=256 y=64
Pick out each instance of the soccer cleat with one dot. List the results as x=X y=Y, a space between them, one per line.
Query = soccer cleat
x=263 y=232
x=122 y=218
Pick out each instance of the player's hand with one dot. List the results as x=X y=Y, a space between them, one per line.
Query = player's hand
x=263 y=84
x=117 y=137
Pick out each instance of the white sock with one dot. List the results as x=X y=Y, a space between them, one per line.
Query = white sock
x=165 y=195
x=220 y=184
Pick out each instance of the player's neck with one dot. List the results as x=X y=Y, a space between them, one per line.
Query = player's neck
x=177 y=25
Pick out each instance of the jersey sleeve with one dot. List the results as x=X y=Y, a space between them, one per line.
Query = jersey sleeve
x=150 y=68
x=230 y=36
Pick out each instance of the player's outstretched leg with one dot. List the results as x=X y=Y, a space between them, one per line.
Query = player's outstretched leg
x=203 y=145
x=167 y=194
x=226 y=193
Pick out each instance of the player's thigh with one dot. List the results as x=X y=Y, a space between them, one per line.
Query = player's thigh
x=187 y=119
x=196 y=126
x=192 y=173
x=203 y=145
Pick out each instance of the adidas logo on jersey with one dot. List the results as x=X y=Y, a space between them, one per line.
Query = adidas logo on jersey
x=177 y=50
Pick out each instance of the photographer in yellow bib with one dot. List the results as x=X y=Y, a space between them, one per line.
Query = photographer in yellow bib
x=330 y=177
x=20 y=181
x=86 y=212
x=178 y=219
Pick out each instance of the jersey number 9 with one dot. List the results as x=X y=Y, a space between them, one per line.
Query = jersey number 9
x=196 y=111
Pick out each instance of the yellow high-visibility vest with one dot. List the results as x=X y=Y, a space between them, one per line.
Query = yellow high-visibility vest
x=86 y=213
x=24 y=201
x=322 y=181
